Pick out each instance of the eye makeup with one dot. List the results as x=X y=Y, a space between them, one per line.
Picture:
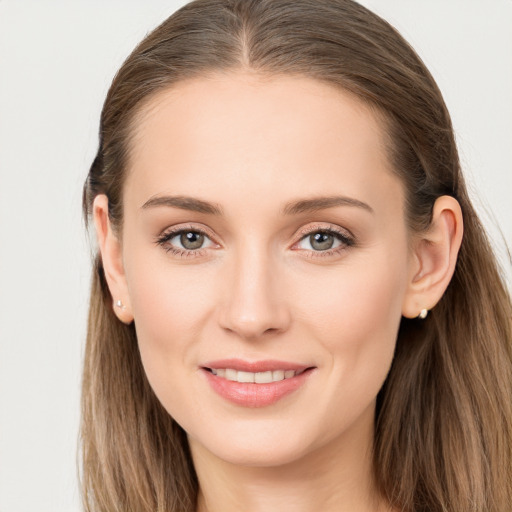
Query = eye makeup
x=198 y=240
x=325 y=240
x=315 y=241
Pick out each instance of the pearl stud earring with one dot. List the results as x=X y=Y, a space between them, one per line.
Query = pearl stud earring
x=119 y=304
x=423 y=314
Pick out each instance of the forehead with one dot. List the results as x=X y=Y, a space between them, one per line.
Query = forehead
x=253 y=133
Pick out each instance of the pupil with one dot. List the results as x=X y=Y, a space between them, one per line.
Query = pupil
x=321 y=241
x=191 y=240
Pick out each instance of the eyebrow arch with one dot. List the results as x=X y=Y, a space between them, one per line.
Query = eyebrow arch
x=321 y=203
x=293 y=208
x=185 y=203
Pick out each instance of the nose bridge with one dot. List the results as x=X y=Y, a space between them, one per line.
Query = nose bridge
x=254 y=303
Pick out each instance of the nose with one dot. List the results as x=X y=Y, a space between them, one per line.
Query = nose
x=254 y=299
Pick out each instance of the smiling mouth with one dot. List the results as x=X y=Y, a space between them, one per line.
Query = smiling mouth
x=255 y=384
x=265 y=377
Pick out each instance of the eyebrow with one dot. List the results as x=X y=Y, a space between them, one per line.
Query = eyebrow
x=322 y=203
x=293 y=208
x=185 y=203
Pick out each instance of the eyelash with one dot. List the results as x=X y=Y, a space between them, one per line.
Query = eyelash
x=346 y=240
x=164 y=238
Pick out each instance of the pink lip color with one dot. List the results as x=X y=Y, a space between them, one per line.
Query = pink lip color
x=252 y=394
x=256 y=366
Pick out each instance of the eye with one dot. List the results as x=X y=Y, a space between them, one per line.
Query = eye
x=184 y=241
x=327 y=241
x=189 y=240
x=321 y=241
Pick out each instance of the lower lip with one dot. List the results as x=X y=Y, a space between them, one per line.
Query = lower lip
x=248 y=394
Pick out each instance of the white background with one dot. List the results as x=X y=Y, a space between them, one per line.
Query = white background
x=56 y=62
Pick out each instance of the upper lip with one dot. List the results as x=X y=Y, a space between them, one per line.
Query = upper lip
x=255 y=366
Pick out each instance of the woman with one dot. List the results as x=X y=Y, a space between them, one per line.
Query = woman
x=294 y=305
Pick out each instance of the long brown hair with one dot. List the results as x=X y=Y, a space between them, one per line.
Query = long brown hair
x=444 y=416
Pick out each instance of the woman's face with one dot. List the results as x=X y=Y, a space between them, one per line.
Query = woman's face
x=264 y=240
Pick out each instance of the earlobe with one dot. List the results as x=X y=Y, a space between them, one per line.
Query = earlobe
x=111 y=256
x=435 y=257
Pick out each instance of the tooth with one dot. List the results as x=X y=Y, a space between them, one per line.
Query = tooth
x=231 y=374
x=277 y=375
x=245 y=377
x=263 y=377
x=259 y=377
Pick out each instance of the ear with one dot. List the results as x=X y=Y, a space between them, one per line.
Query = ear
x=111 y=256
x=434 y=257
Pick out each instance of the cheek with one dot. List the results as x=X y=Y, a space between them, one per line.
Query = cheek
x=355 y=312
x=169 y=308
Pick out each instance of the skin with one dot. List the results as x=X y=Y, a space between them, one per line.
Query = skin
x=258 y=289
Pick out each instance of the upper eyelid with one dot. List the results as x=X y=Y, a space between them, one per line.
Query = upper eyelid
x=344 y=241
x=327 y=227
x=163 y=239
x=180 y=228
x=299 y=234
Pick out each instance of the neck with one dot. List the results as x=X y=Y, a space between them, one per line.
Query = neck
x=336 y=477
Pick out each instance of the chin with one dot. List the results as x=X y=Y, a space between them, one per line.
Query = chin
x=255 y=446
x=258 y=457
